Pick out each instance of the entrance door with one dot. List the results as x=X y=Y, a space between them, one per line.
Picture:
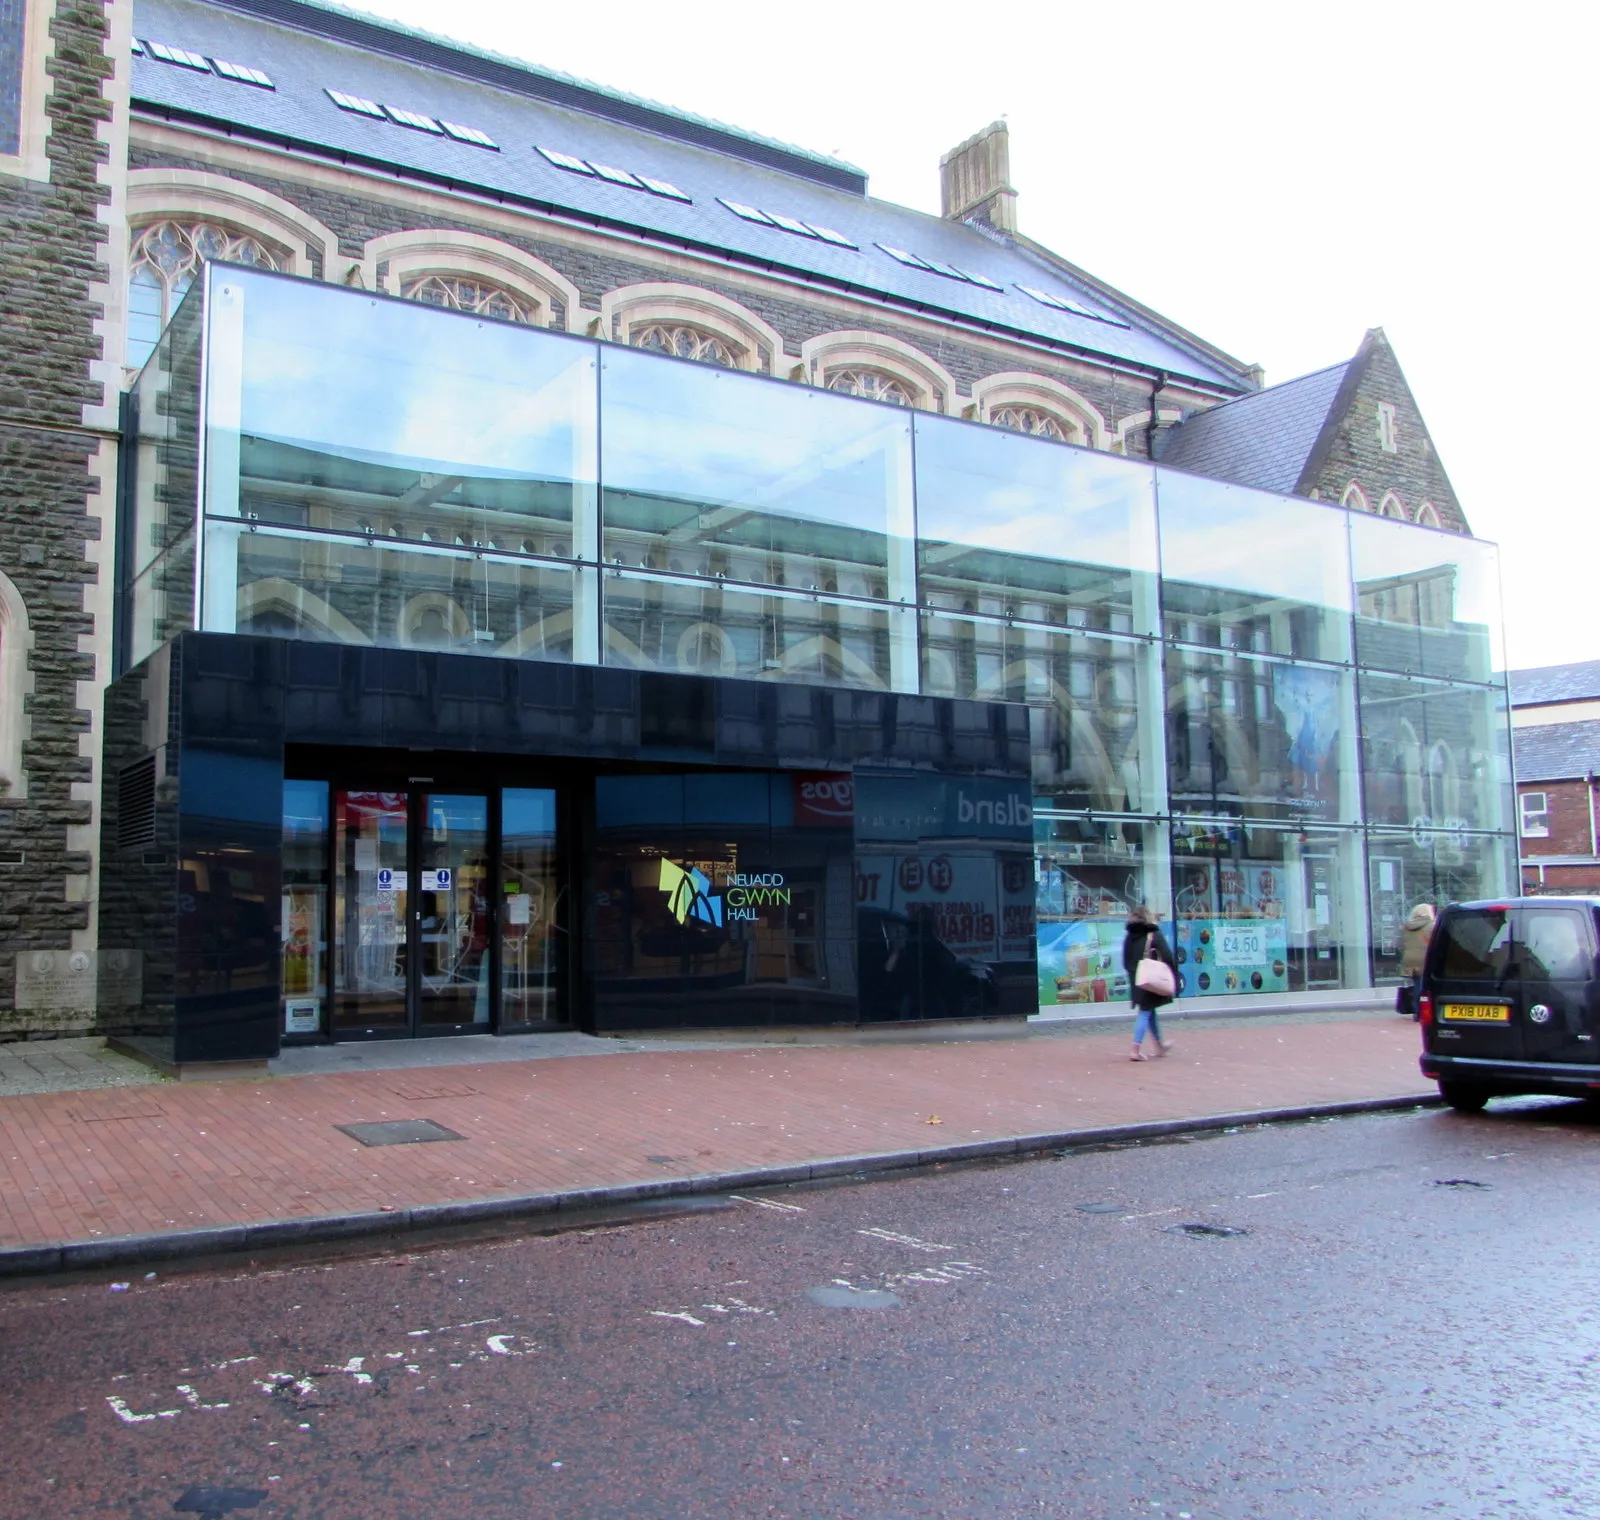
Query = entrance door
x=412 y=908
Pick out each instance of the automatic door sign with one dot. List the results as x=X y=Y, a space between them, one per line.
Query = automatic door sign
x=436 y=881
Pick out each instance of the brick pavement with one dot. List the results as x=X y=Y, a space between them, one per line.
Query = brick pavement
x=76 y=1166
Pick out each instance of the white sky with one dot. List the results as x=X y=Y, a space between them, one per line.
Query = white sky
x=1276 y=178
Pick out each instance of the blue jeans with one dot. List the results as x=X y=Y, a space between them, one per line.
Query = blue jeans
x=1146 y=1024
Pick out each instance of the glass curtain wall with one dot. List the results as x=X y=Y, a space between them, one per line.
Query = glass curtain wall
x=1272 y=720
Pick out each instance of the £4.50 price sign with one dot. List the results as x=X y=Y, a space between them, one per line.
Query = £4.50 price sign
x=1241 y=945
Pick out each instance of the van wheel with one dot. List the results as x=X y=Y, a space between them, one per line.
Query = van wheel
x=1462 y=1098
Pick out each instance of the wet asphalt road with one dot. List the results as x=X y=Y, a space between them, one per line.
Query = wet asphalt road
x=1033 y=1339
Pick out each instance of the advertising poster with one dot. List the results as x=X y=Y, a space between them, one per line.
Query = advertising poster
x=958 y=893
x=1388 y=905
x=1308 y=703
x=1232 y=931
x=1083 y=913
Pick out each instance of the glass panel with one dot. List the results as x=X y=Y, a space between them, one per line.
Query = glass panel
x=396 y=422
x=1426 y=602
x=161 y=601
x=718 y=473
x=333 y=589
x=1405 y=869
x=453 y=903
x=1091 y=871
x=710 y=629
x=1247 y=570
x=305 y=905
x=369 y=911
x=1435 y=756
x=1267 y=909
x=165 y=425
x=1015 y=526
x=1259 y=738
x=529 y=931
x=1091 y=725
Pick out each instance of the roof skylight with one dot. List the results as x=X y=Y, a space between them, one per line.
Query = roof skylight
x=1065 y=303
x=616 y=176
x=828 y=235
x=469 y=134
x=910 y=260
x=357 y=103
x=663 y=187
x=749 y=213
x=414 y=119
x=181 y=56
x=243 y=73
x=790 y=224
x=564 y=161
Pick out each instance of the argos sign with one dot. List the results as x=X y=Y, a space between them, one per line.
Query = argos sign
x=824 y=800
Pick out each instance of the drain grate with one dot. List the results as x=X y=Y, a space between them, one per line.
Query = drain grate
x=1207 y=1231
x=399 y=1132
x=126 y=1110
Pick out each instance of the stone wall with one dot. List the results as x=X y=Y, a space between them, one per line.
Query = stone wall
x=1413 y=471
x=49 y=248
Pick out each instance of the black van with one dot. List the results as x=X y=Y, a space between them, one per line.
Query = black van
x=1511 y=1000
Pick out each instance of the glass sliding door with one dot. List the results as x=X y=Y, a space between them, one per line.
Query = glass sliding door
x=453 y=912
x=371 y=912
x=305 y=906
x=529 y=930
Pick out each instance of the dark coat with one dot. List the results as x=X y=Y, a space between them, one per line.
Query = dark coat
x=1133 y=948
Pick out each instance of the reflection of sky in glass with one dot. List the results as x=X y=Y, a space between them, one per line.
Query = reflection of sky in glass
x=695 y=433
x=403 y=382
x=1386 y=550
x=994 y=489
x=1213 y=534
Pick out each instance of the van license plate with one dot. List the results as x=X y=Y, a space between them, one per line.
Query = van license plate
x=1476 y=1013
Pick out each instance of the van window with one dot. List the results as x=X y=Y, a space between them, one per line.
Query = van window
x=1475 y=944
x=1552 y=945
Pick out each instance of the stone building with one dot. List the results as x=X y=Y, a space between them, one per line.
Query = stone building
x=142 y=144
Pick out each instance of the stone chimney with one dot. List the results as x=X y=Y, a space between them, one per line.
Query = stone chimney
x=975 y=180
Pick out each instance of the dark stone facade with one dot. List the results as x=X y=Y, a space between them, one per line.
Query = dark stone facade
x=49 y=238
x=1351 y=450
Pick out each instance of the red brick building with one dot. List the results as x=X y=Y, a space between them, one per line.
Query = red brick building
x=1556 y=731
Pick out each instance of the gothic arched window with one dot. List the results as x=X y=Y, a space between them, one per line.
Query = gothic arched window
x=1028 y=419
x=874 y=384
x=458 y=294
x=162 y=265
x=683 y=342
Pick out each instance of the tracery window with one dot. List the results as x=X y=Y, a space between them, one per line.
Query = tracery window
x=1028 y=419
x=457 y=294
x=162 y=265
x=684 y=343
x=873 y=384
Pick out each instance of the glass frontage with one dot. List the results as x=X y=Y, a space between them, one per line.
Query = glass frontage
x=1250 y=571
x=1241 y=705
x=304 y=923
x=531 y=906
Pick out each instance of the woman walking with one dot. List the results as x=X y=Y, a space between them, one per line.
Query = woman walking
x=1144 y=941
x=1418 y=931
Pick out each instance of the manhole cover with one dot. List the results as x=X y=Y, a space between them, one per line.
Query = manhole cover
x=1460 y=1182
x=399 y=1132
x=1217 y=1231
x=838 y=1296
x=1098 y=1208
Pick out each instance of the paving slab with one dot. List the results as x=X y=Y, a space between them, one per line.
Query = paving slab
x=91 y=1166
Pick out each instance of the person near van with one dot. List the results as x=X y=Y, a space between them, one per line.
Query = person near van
x=1418 y=929
x=1144 y=937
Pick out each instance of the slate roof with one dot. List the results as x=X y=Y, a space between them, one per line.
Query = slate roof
x=1557 y=751
x=1261 y=440
x=1556 y=683
x=307 y=50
